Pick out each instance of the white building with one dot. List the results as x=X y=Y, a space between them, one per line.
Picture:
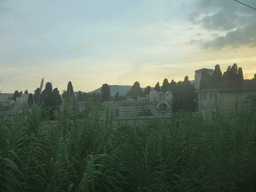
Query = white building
x=22 y=99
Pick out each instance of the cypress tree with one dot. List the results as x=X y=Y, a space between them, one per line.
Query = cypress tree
x=240 y=75
x=147 y=90
x=217 y=75
x=30 y=99
x=135 y=91
x=165 y=86
x=172 y=86
x=70 y=93
x=157 y=87
x=105 y=93
x=116 y=98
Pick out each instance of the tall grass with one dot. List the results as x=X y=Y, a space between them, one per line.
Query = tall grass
x=184 y=153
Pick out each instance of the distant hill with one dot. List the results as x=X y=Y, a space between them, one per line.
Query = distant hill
x=122 y=89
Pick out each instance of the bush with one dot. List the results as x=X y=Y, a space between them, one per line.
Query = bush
x=179 y=154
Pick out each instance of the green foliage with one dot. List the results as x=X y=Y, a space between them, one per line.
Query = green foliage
x=184 y=153
x=217 y=75
x=117 y=97
x=233 y=73
x=37 y=96
x=69 y=94
x=105 y=93
x=16 y=94
x=51 y=101
x=157 y=87
x=172 y=86
x=184 y=96
x=135 y=91
x=147 y=90
x=81 y=96
x=252 y=100
x=30 y=99
x=165 y=86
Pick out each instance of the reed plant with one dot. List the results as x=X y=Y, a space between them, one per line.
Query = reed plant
x=98 y=153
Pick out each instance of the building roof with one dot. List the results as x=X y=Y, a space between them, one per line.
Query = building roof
x=232 y=85
x=203 y=69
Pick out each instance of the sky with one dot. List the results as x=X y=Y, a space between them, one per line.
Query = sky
x=119 y=42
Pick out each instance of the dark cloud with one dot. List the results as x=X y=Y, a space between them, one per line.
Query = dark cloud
x=237 y=22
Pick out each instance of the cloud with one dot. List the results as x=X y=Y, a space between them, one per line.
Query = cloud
x=231 y=24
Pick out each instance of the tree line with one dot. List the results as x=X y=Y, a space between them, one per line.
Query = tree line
x=184 y=94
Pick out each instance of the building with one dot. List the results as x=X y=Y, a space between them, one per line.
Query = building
x=225 y=97
x=10 y=107
x=152 y=105
x=22 y=99
x=6 y=96
x=198 y=76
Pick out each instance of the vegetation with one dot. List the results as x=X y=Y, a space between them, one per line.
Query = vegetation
x=157 y=87
x=147 y=91
x=69 y=94
x=81 y=96
x=184 y=96
x=105 y=93
x=135 y=91
x=181 y=154
x=233 y=73
x=165 y=87
x=16 y=94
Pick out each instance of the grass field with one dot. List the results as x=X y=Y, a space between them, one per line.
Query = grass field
x=184 y=153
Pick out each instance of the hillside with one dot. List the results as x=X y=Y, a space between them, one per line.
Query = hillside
x=122 y=89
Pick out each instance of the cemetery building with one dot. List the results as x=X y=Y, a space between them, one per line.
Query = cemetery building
x=225 y=97
x=152 y=105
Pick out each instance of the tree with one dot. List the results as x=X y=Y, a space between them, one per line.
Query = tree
x=116 y=98
x=165 y=86
x=135 y=91
x=172 y=86
x=186 y=83
x=30 y=99
x=233 y=71
x=157 y=87
x=51 y=100
x=26 y=91
x=105 y=93
x=184 y=96
x=240 y=75
x=227 y=74
x=177 y=95
x=254 y=76
x=57 y=97
x=48 y=101
x=81 y=96
x=147 y=90
x=70 y=93
x=37 y=96
x=15 y=95
x=187 y=87
x=234 y=74
x=217 y=75
x=47 y=95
